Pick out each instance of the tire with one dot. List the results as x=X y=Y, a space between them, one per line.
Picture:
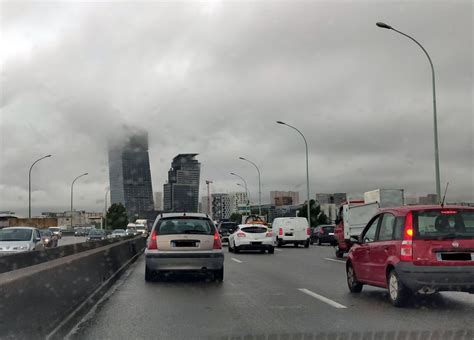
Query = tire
x=271 y=250
x=306 y=244
x=311 y=242
x=149 y=274
x=354 y=285
x=279 y=243
x=398 y=293
x=231 y=250
x=219 y=275
x=319 y=242
x=236 y=249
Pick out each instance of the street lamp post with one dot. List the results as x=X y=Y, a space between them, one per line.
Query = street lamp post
x=435 y=119
x=105 y=208
x=72 y=191
x=307 y=170
x=259 y=185
x=248 y=195
x=29 y=185
x=246 y=189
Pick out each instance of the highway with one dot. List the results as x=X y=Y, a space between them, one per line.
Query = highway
x=70 y=240
x=294 y=292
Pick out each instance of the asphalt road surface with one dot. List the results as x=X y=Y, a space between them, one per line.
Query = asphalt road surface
x=292 y=294
x=70 y=240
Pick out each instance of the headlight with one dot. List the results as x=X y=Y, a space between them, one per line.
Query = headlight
x=46 y=240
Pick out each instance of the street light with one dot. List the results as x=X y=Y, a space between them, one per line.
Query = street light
x=307 y=169
x=29 y=185
x=259 y=185
x=435 y=120
x=246 y=188
x=248 y=195
x=72 y=191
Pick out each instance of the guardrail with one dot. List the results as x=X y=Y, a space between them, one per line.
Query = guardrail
x=35 y=300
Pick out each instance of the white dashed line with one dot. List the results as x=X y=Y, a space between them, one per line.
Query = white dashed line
x=329 y=259
x=321 y=298
x=234 y=259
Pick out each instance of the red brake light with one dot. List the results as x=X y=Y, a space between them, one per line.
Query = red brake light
x=241 y=235
x=152 y=244
x=308 y=231
x=217 y=241
x=406 y=251
x=280 y=232
x=321 y=230
x=269 y=234
x=448 y=212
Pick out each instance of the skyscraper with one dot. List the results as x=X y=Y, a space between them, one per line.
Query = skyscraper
x=129 y=172
x=221 y=206
x=181 y=193
x=158 y=201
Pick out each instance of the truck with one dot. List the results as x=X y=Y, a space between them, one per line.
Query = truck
x=354 y=215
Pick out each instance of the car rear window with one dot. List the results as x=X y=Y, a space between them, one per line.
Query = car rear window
x=254 y=230
x=443 y=223
x=228 y=226
x=173 y=226
x=328 y=229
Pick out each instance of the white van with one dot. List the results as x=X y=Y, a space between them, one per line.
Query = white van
x=293 y=230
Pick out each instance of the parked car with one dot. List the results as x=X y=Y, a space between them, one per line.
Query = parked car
x=251 y=237
x=415 y=249
x=49 y=239
x=324 y=234
x=291 y=230
x=20 y=239
x=56 y=231
x=96 y=235
x=118 y=233
x=226 y=229
x=184 y=242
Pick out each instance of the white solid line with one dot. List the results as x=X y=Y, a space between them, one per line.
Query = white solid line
x=278 y=249
x=328 y=259
x=322 y=298
x=238 y=261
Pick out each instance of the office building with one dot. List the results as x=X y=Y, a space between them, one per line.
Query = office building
x=158 y=201
x=240 y=203
x=222 y=205
x=129 y=172
x=279 y=198
x=181 y=193
x=336 y=198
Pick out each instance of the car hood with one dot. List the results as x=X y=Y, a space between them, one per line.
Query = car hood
x=11 y=245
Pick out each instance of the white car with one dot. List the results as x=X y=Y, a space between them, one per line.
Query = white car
x=20 y=239
x=252 y=237
x=293 y=230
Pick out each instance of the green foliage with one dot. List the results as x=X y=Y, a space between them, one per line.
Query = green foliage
x=117 y=217
x=317 y=216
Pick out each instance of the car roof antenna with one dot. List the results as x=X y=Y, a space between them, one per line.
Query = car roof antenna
x=444 y=197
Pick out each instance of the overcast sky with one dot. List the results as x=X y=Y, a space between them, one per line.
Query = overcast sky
x=212 y=78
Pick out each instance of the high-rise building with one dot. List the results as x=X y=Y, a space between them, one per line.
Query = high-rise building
x=239 y=201
x=337 y=198
x=324 y=198
x=221 y=206
x=158 y=201
x=129 y=171
x=181 y=193
x=279 y=198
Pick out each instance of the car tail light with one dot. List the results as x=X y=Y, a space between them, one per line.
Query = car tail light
x=308 y=231
x=241 y=235
x=321 y=231
x=217 y=241
x=280 y=232
x=269 y=234
x=448 y=212
x=406 y=251
x=152 y=244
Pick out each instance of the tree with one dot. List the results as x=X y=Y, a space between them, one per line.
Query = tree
x=317 y=216
x=117 y=217
x=235 y=217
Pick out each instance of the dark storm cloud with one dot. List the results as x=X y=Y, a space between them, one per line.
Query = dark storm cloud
x=213 y=78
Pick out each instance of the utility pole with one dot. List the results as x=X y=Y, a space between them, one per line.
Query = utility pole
x=208 y=197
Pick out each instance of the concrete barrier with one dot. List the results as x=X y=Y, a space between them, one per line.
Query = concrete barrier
x=36 y=299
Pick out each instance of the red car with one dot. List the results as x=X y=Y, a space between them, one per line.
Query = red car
x=415 y=249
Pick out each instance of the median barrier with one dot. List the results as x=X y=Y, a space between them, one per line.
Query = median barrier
x=36 y=299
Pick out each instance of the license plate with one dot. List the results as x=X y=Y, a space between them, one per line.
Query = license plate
x=288 y=234
x=331 y=234
x=256 y=243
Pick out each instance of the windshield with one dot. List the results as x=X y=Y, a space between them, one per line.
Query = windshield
x=45 y=233
x=96 y=232
x=54 y=229
x=439 y=224
x=185 y=226
x=228 y=226
x=15 y=234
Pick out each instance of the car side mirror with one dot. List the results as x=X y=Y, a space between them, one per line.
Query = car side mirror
x=355 y=239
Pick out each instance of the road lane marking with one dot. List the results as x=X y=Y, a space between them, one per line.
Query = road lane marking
x=329 y=259
x=278 y=249
x=234 y=259
x=321 y=298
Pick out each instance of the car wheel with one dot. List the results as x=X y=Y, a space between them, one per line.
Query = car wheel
x=219 y=275
x=311 y=242
x=306 y=244
x=279 y=243
x=149 y=274
x=236 y=249
x=319 y=242
x=271 y=250
x=397 y=291
x=354 y=285
x=230 y=248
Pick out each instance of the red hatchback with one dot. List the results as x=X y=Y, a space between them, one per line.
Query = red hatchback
x=415 y=249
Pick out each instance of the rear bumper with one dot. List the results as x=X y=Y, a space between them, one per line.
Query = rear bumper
x=292 y=239
x=440 y=278
x=263 y=246
x=175 y=261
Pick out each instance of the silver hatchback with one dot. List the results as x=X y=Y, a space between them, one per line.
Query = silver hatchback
x=20 y=239
x=184 y=242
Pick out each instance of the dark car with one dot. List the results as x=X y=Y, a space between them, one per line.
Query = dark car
x=225 y=229
x=323 y=234
x=49 y=239
x=96 y=235
x=415 y=250
x=80 y=231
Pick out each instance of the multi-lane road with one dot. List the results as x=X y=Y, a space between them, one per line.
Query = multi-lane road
x=292 y=294
x=70 y=240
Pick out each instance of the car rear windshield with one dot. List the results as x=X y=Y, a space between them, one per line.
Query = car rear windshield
x=443 y=224
x=179 y=225
x=328 y=229
x=96 y=232
x=45 y=233
x=255 y=230
x=228 y=226
x=15 y=234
